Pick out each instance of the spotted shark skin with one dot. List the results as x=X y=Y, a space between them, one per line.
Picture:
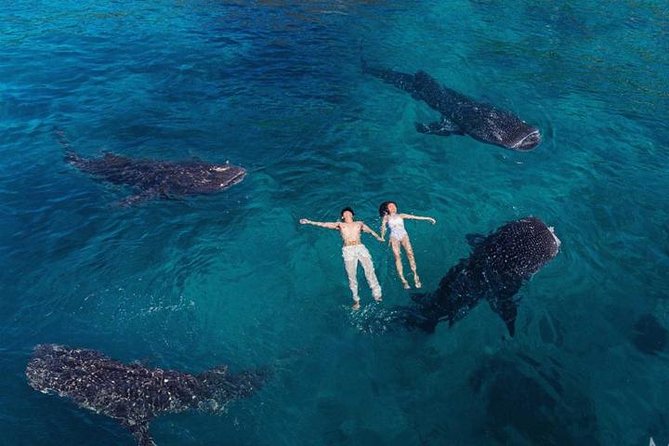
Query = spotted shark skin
x=158 y=179
x=495 y=270
x=460 y=114
x=131 y=393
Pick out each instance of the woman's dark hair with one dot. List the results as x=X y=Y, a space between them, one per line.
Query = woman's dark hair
x=341 y=214
x=383 y=208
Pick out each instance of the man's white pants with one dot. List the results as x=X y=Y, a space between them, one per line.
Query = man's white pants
x=352 y=255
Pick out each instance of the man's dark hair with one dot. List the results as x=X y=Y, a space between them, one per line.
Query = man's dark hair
x=341 y=214
x=383 y=208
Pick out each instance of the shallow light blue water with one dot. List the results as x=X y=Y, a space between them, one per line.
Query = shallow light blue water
x=232 y=278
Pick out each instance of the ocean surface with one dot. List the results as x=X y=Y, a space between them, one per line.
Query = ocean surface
x=232 y=278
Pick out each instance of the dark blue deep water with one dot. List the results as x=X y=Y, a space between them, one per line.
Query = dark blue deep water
x=233 y=279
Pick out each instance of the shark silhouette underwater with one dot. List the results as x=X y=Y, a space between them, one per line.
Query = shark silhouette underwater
x=158 y=179
x=495 y=270
x=131 y=393
x=460 y=114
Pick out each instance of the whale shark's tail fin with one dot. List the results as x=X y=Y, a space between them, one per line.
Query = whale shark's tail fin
x=70 y=155
x=411 y=318
x=141 y=433
x=403 y=81
x=62 y=139
x=425 y=324
x=73 y=158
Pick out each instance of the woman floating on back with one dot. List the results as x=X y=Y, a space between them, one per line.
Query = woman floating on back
x=400 y=238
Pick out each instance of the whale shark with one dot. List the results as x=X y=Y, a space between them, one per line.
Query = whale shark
x=460 y=114
x=495 y=270
x=132 y=393
x=158 y=179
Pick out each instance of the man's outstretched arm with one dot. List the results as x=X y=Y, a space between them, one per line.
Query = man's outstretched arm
x=369 y=230
x=321 y=224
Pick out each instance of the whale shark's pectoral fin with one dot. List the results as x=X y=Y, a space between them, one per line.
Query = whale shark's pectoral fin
x=140 y=430
x=506 y=307
x=445 y=127
x=132 y=200
x=475 y=239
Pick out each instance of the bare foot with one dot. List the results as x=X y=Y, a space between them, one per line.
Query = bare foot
x=378 y=298
x=418 y=284
x=406 y=285
x=356 y=305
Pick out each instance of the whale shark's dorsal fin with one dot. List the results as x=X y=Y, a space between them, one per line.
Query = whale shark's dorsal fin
x=474 y=239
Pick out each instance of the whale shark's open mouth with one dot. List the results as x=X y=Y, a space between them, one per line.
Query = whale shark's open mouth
x=529 y=142
x=236 y=179
x=555 y=237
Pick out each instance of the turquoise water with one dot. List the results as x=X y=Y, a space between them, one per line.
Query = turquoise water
x=232 y=278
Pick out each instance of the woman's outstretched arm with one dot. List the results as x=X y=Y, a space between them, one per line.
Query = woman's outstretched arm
x=418 y=217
